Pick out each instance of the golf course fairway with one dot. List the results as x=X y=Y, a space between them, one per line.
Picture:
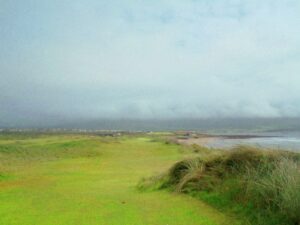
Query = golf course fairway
x=89 y=180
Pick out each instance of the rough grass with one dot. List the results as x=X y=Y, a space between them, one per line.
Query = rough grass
x=17 y=152
x=277 y=188
x=79 y=180
x=260 y=185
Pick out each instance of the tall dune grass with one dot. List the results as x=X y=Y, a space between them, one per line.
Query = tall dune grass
x=277 y=188
x=268 y=180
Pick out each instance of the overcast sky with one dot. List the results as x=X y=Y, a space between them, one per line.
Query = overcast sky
x=149 y=59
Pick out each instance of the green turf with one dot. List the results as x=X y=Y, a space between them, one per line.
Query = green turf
x=87 y=180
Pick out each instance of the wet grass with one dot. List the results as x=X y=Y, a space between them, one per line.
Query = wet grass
x=262 y=186
x=82 y=179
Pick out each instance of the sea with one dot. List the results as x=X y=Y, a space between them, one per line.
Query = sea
x=284 y=140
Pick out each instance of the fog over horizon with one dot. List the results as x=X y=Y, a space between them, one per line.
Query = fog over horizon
x=62 y=61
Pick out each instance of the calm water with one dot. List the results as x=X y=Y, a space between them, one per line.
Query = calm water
x=282 y=140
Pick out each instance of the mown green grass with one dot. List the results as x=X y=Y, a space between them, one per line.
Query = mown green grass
x=74 y=179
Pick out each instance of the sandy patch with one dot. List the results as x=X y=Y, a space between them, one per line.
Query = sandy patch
x=201 y=141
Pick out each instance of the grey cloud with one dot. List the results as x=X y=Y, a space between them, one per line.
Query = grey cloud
x=161 y=59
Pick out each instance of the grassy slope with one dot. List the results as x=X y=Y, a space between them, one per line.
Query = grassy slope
x=88 y=180
x=259 y=185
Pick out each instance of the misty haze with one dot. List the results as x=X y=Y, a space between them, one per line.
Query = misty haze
x=135 y=112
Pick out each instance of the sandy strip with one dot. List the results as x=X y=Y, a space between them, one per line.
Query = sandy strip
x=201 y=141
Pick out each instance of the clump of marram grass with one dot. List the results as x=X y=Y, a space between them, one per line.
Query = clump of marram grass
x=278 y=188
x=185 y=172
x=217 y=167
x=154 y=182
x=268 y=179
